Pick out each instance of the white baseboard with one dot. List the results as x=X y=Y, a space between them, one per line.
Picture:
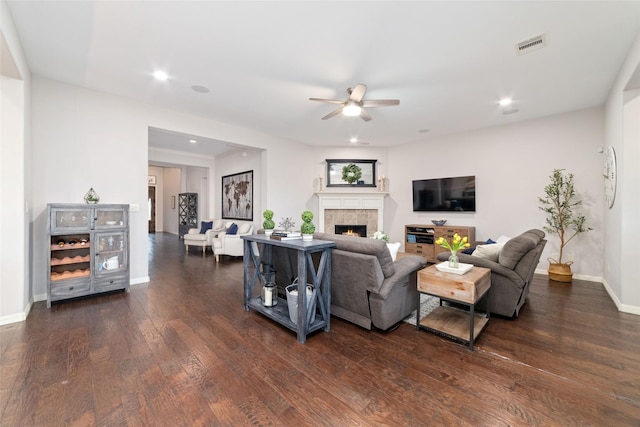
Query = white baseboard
x=17 y=317
x=139 y=280
x=625 y=308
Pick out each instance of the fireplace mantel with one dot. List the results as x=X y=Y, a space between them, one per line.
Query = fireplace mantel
x=350 y=200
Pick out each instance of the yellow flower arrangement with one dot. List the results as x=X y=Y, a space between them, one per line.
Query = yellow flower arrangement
x=458 y=243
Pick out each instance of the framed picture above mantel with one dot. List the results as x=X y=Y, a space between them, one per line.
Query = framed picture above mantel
x=351 y=173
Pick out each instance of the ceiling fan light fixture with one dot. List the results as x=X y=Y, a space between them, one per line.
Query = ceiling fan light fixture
x=352 y=110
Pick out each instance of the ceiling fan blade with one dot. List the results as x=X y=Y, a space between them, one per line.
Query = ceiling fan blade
x=357 y=93
x=333 y=113
x=364 y=115
x=380 y=102
x=330 y=101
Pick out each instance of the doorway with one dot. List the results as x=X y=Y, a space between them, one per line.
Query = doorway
x=152 y=209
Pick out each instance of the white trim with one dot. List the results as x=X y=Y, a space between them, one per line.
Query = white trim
x=18 y=317
x=350 y=200
x=625 y=308
x=139 y=281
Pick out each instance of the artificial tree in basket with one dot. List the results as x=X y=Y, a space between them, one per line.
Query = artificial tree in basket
x=559 y=204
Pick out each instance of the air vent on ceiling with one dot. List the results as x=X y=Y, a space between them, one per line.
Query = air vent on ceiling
x=530 y=44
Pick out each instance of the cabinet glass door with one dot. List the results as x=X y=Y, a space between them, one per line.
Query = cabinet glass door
x=111 y=252
x=66 y=219
x=109 y=218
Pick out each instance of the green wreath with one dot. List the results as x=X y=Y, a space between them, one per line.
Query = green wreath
x=351 y=173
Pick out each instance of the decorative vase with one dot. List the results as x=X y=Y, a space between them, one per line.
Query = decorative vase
x=560 y=272
x=268 y=233
x=453 y=260
x=307 y=237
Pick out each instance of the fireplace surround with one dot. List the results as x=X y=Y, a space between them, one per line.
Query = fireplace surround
x=344 y=207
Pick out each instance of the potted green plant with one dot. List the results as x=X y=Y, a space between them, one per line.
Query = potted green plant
x=559 y=204
x=307 y=228
x=268 y=223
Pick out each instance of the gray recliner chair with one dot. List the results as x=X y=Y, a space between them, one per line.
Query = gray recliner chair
x=511 y=275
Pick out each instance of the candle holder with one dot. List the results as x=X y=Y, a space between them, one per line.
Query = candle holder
x=269 y=292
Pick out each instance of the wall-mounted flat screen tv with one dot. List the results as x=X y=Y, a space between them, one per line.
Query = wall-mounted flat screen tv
x=445 y=194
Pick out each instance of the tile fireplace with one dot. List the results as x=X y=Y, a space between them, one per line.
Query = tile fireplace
x=351 y=208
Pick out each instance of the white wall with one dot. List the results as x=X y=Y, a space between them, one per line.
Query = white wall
x=84 y=138
x=512 y=164
x=194 y=178
x=620 y=224
x=172 y=178
x=15 y=164
x=238 y=161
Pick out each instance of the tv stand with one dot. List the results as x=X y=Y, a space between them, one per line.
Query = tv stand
x=420 y=239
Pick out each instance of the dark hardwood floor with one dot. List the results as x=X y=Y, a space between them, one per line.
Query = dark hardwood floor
x=182 y=351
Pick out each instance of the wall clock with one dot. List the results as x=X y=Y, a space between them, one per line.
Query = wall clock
x=610 y=176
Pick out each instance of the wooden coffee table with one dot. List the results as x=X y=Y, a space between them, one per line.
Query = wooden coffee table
x=464 y=289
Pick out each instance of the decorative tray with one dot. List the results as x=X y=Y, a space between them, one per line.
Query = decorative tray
x=462 y=268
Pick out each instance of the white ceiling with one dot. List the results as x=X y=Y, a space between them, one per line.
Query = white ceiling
x=447 y=62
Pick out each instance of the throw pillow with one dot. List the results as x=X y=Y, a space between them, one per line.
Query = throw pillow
x=469 y=251
x=233 y=229
x=503 y=239
x=393 y=249
x=204 y=226
x=244 y=228
x=218 y=225
x=490 y=252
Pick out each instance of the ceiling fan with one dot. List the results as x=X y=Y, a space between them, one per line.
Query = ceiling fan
x=354 y=105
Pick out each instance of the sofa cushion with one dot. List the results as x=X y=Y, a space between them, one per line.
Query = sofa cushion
x=517 y=247
x=204 y=226
x=218 y=225
x=233 y=229
x=244 y=228
x=490 y=252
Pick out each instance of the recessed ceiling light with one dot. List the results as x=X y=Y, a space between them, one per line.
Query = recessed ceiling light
x=193 y=141
x=160 y=75
x=353 y=140
x=200 y=89
x=505 y=101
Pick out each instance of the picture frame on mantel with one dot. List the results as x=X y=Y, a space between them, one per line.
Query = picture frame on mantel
x=334 y=172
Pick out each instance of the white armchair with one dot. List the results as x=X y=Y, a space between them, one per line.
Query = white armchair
x=231 y=244
x=194 y=238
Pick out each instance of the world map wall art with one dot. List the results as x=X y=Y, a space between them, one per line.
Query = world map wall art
x=237 y=196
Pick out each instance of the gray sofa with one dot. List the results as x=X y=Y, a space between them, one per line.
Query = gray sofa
x=367 y=287
x=511 y=275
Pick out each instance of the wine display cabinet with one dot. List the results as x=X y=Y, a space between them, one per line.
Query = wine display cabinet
x=88 y=250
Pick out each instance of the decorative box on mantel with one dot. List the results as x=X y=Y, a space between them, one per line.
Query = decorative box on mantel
x=350 y=200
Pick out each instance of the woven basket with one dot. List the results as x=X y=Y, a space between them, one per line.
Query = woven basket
x=560 y=272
